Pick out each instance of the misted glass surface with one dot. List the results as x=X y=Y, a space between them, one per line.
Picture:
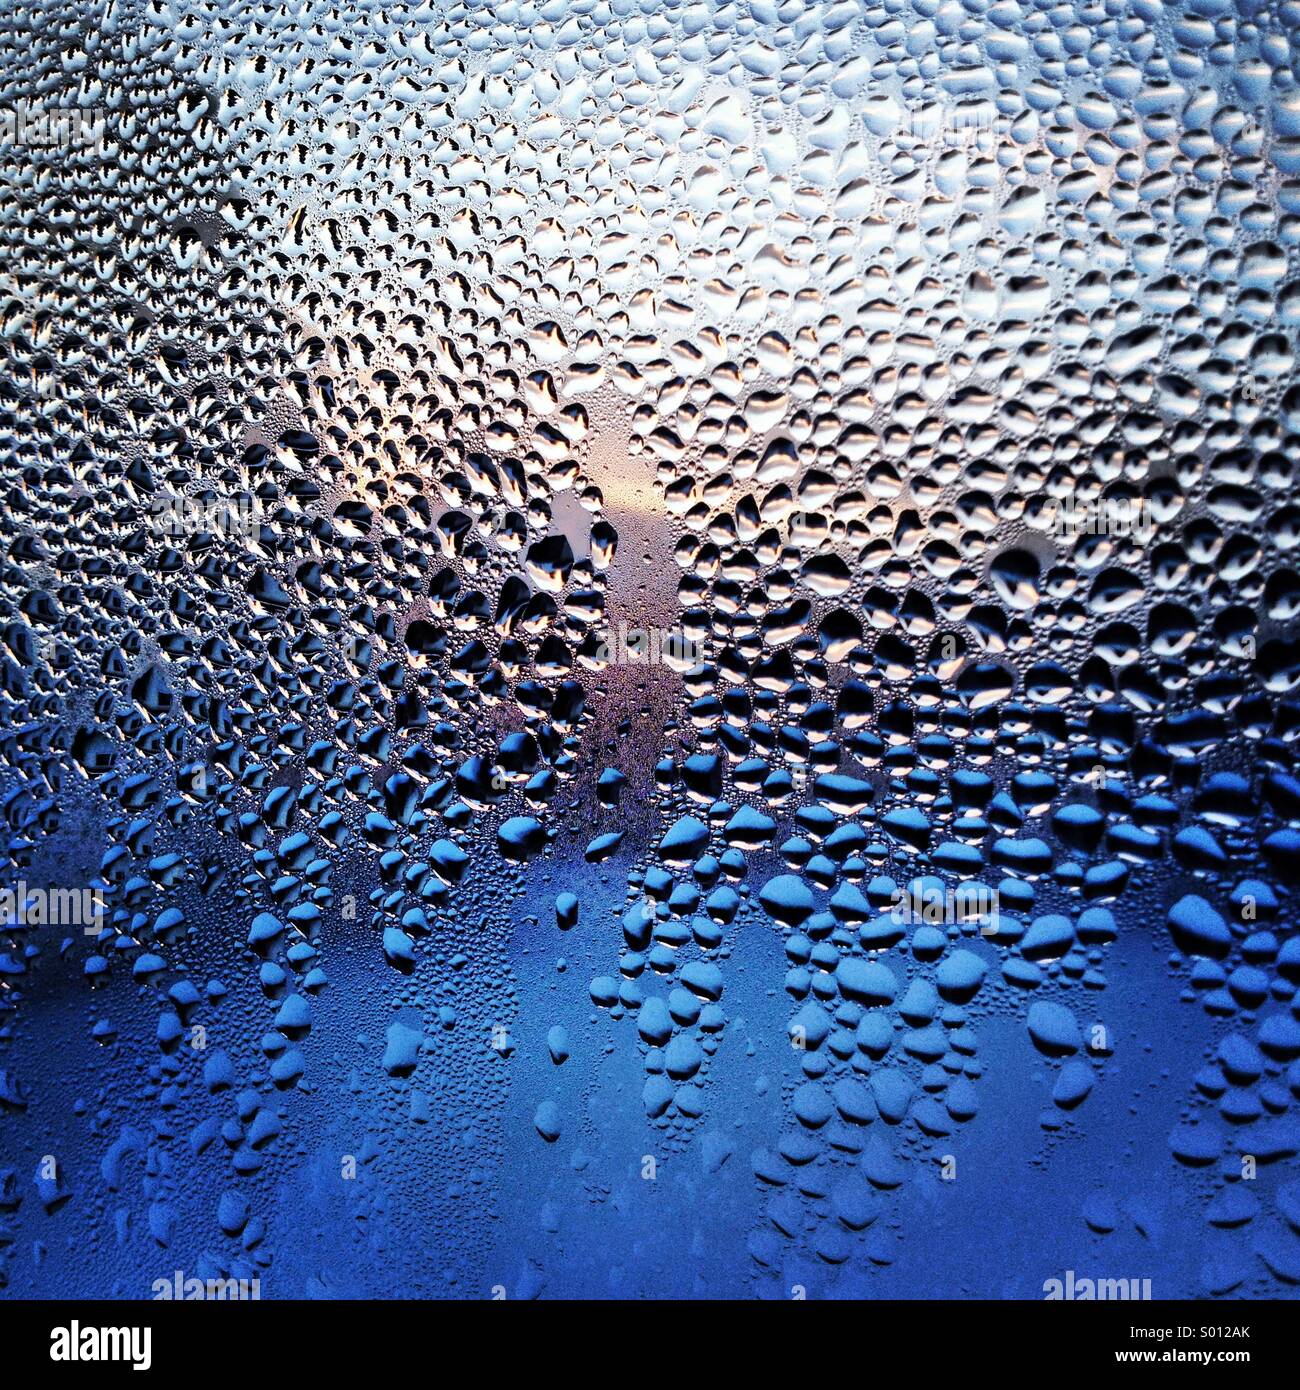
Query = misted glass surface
x=650 y=650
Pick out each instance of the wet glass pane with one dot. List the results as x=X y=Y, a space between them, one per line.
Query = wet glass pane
x=649 y=650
